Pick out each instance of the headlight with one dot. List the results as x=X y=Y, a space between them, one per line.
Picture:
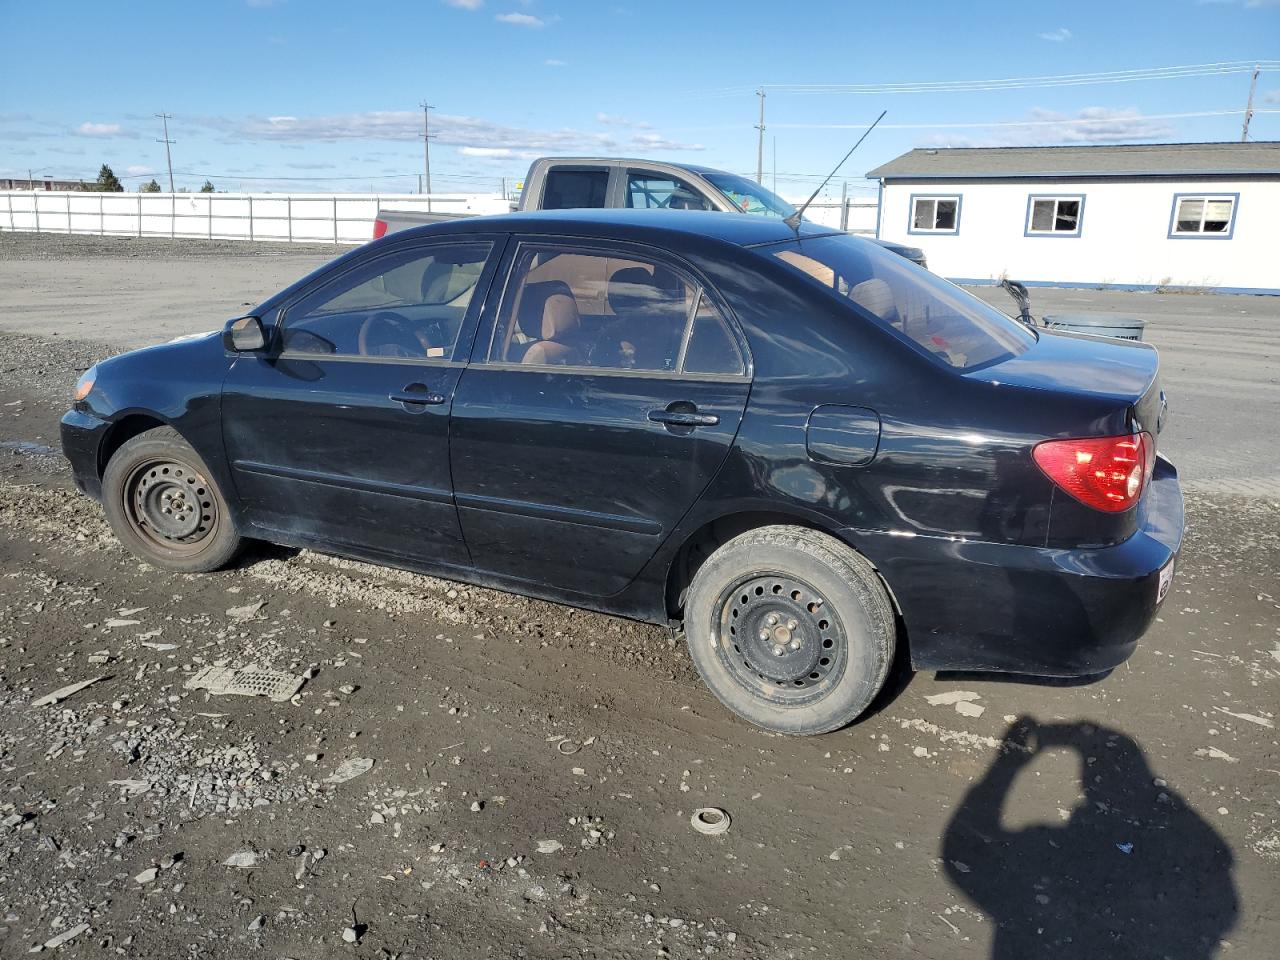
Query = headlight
x=85 y=383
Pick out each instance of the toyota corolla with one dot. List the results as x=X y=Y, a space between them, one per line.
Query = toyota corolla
x=804 y=450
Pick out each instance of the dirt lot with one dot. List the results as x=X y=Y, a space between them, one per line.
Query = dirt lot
x=534 y=768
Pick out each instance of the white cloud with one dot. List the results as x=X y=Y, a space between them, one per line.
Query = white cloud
x=91 y=129
x=614 y=120
x=486 y=151
x=1049 y=127
x=554 y=63
x=1060 y=35
x=497 y=154
x=1271 y=96
x=138 y=170
x=521 y=19
x=1104 y=125
x=654 y=141
x=466 y=4
x=470 y=133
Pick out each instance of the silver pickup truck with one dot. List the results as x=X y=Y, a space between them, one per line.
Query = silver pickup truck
x=572 y=183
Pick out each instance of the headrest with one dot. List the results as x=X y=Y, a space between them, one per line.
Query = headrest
x=875 y=296
x=533 y=300
x=559 y=316
x=635 y=289
x=436 y=281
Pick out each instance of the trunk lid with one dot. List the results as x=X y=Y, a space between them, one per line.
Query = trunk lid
x=1124 y=372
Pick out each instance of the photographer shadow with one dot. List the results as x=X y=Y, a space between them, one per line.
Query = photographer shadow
x=1133 y=871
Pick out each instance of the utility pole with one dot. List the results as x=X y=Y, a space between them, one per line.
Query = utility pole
x=1248 y=110
x=166 y=141
x=775 y=164
x=426 y=147
x=760 y=140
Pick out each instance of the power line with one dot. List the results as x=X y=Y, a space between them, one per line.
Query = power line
x=1019 y=123
x=1017 y=83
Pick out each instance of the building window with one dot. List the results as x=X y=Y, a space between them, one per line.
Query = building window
x=1204 y=215
x=934 y=214
x=1054 y=216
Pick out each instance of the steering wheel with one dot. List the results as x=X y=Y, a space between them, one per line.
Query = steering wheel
x=389 y=334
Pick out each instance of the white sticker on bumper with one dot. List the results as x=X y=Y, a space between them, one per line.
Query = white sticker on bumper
x=1166 y=578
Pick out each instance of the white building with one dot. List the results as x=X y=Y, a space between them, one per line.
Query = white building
x=1203 y=215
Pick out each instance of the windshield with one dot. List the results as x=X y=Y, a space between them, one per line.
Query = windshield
x=949 y=324
x=749 y=197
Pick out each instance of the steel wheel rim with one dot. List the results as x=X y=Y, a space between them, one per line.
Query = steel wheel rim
x=171 y=505
x=780 y=639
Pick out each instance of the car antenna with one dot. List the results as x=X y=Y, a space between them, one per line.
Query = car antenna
x=793 y=221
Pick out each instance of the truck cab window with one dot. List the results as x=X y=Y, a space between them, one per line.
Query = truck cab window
x=651 y=192
x=574 y=189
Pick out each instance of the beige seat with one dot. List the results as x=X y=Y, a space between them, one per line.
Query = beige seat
x=560 y=322
x=876 y=297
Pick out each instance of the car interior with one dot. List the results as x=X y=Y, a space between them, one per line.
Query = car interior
x=582 y=310
x=412 y=310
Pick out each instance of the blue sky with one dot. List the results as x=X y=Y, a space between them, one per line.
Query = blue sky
x=321 y=95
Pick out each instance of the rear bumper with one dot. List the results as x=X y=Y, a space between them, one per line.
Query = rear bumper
x=1033 y=610
x=82 y=435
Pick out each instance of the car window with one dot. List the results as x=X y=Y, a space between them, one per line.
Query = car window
x=712 y=347
x=408 y=305
x=572 y=306
x=652 y=192
x=949 y=324
x=575 y=189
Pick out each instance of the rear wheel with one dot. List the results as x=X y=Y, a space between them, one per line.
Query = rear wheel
x=163 y=505
x=791 y=629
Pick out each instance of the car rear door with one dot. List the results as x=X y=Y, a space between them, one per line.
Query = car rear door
x=606 y=388
x=339 y=432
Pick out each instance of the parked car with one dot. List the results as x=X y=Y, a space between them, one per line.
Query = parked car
x=806 y=451
x=587 y=183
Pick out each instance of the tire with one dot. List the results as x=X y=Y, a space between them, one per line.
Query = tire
x=803 y=593
x=163 y=504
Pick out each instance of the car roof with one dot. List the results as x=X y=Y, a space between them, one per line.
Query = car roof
x=641 y=225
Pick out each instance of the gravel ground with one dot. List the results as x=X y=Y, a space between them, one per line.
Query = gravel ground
x=534 y=768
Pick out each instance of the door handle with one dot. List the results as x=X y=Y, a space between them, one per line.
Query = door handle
x=418 y=394
x=683 y=418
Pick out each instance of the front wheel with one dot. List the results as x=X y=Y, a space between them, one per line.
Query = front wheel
x=791 y=629
x=162 y=503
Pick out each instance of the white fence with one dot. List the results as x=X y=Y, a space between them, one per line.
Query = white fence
x=290 y=218
x=858 y=216
x=297 y=218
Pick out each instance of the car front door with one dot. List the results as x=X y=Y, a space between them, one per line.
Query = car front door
x=604 y=392
x=339 y=431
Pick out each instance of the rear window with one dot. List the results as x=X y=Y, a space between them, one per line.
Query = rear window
x=575 y=189
x=952 y=326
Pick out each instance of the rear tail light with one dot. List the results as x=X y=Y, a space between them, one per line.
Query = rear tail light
x=1106 y=473
x=379 y=229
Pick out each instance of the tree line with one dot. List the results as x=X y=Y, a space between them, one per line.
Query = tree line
x=108 y=182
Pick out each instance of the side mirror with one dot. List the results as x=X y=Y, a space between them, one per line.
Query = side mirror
x=244 y=335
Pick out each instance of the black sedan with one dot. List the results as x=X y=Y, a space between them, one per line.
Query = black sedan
x=806 y=450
